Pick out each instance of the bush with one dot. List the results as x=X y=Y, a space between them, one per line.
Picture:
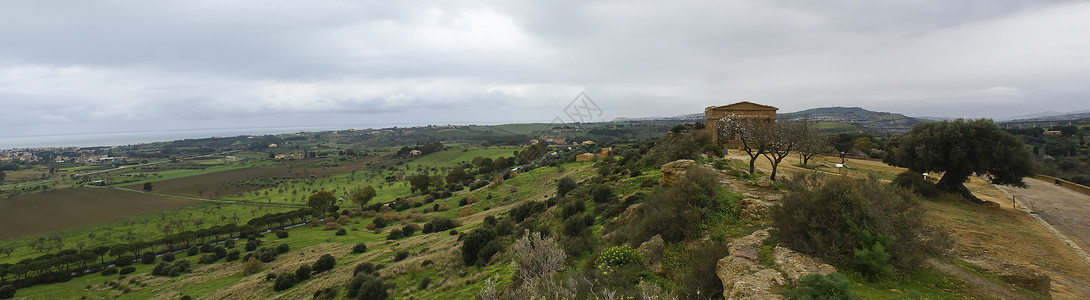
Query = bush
x=168 y=257
x=473 y=242
x=148 y=258
x=407 y=231
x=193 y=251
x=281 y=234
x=617 y=256
x=566 y=185
x=109 y=271
x=577 y=224
x=325 y=263
x=817 y=286
x=219 y=251
x=401 y=255
x=914 y=181
x=127 y=270
x=701 y=276
x=572 y=208
x=208 y=258
x=438 y=225
x=232 y=255
x=601 y=194
x=366 y=286
x=486 y=253
x=282 y=248
x=394 y=234
x=230 y=243
x=265 y=254
x=284 y=281
x=123 y=261
x=7 y=291
x=160 y=269
x=302 y=273
x=379 y=222
x=679 y=212
x=252 y=244
x=365 y=267
x=359 y=248
x=341 y=232
x=331 y=226
x=852 y=222
x=524 y=211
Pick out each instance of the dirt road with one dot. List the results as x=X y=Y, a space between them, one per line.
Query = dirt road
x=1065 y=209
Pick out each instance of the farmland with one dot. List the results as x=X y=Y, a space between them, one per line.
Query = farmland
x=65 y=208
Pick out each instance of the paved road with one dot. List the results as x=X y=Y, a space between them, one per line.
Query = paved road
x=1065 y=209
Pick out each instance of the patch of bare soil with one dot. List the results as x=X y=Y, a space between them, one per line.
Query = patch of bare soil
x=54 y=210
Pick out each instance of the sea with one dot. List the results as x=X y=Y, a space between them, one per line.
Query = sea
x=95 y=139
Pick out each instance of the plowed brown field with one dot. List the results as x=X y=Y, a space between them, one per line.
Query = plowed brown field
x=65 y=208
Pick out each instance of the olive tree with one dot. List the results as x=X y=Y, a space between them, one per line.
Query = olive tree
x=960 y=149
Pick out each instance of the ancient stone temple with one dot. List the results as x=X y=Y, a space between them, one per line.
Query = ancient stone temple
x=713 y=115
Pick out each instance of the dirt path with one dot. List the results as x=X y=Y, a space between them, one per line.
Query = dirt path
x=1066 y=210
x=980 y=283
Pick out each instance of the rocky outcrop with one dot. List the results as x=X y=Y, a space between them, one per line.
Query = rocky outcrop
x=753 y=208
x=764 y=182
x=743 y=260
x=671 y=171
x=760 y=285
x=651 y=250
x=797 y=265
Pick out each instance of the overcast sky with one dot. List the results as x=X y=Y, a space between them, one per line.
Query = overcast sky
x=103 y=66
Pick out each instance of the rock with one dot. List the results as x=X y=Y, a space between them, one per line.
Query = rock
x=760 y=285
x=753 y=209
x=651 y=250
x=764 y=182
x=797 y=265
x=1023 y=276
x=628 y=213
x=743 y=259
x=671 y=171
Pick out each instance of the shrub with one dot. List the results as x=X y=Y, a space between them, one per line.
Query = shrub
x=109 y=271
x=601 y=194
x=252 y=244
x=219 y=251
x=7 y=291
x=232 y=255
x=252 y=266
x=359 y=248
x=486 y=252
x=284 y=281
x=325 y=263
x=341 y=232
x=394 y=234
x=230 y=243
x=302 y=273
x=123 y=261
x=366 y=286
x=915 y=182
x=331 y=226
x=525 y=210
x=193 y=251
x=572 y=208
x=851 y=222
x=208 y=258
x=160 y=269
x=679 y=212
x=577 y=224
x=817 y=286
x=505 y=226
x=401 y=255
x=438 y=225
x=281 y=234
x=283 y=248
x=265 y=254
x=473 y=242
x=701 y=278
x=147 y=258
x=617 y=256
x=424 y=283
x=566 y=184
x=168 y=257
x=364 y=267
x=379 y=222
x=408 y=231
x=127 y=270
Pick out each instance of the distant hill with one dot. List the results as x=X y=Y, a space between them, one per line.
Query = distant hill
x=1059 y=117
x=862 y=119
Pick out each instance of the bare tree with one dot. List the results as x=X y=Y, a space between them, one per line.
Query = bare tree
x=812 y=143
x=754 y=134
x=785 y=137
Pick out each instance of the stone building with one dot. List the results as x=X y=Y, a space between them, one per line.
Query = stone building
x=713 y=115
